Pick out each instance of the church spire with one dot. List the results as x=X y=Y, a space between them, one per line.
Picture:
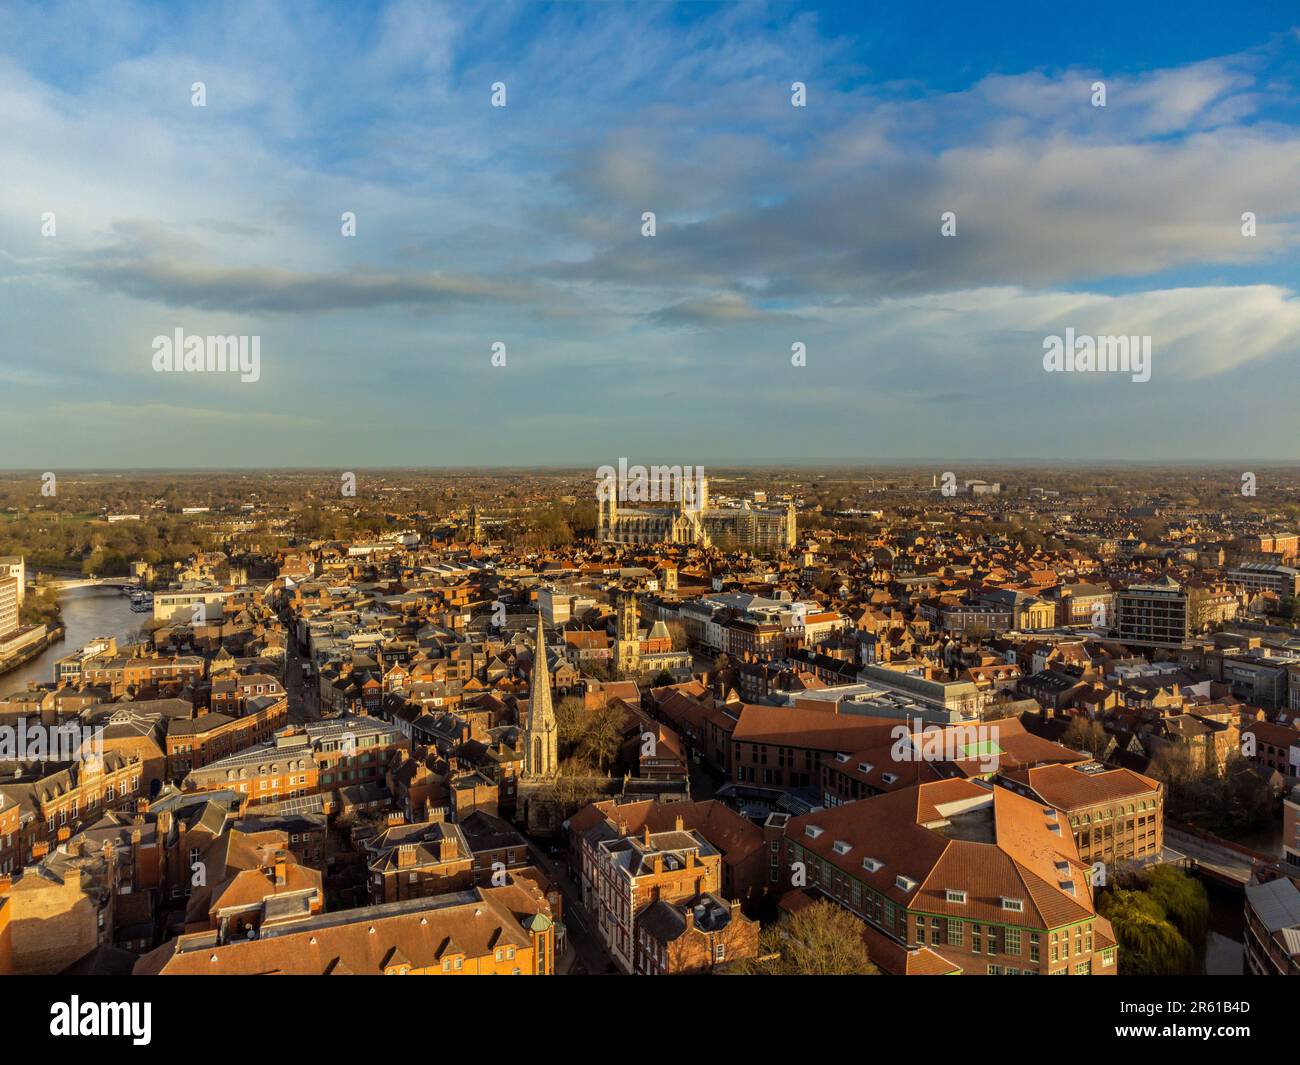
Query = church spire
x=541 y=740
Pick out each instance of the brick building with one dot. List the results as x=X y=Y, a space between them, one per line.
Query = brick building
x=480 y=932
x=980 y=879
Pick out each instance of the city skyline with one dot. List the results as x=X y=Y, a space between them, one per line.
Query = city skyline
x=775 y=225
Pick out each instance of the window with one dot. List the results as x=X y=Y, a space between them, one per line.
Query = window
x=1011 y=941
x=952 y=895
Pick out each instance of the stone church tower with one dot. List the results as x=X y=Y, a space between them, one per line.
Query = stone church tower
x=541 y=739
x=627 y=647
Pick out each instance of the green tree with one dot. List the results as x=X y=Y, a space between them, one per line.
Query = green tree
x=1149 y=943
x=1183 y=899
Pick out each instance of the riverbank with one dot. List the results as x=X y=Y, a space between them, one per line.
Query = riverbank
x=53 y=635
x=88 y=613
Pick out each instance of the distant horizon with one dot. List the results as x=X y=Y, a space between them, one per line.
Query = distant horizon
x=755 y=465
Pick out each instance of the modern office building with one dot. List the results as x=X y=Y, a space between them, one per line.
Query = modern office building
x=10 y=599
x=1153 y=614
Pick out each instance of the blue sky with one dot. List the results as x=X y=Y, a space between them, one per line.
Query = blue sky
x=776 y=225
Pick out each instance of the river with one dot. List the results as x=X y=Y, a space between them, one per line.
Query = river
x=87 y=613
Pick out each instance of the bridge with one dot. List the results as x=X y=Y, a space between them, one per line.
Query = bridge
x=1228 y=863
x=65 y=584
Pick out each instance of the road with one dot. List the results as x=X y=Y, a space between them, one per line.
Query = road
x=304 y=697
x=591 y=958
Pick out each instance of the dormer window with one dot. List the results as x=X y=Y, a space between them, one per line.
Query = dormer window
x=812 y=831
x=841 y=758
x=905 y=883
x=1014 y=905
x=865 y=767
x=841 y=847
x=872 y=865
x=889 y=778
x=952 y=895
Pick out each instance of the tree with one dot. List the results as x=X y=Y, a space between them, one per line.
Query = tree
x=603 y=737
x=1084 y=734
x=820 y=940
x=571 y=723
x=1183 y=899
x=1149 y=943
x=677 y=631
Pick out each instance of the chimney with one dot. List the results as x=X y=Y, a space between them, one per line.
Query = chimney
x=688 y=915
x=659 y=863
x=406 y=856
x=40 y=850
x=64 y=834
x=646 y=838
x=680 y=823
x=280 y=877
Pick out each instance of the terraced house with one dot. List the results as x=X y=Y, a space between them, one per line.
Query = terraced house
x=955 y=877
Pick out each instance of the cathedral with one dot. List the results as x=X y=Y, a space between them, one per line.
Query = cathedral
x=760 y=531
